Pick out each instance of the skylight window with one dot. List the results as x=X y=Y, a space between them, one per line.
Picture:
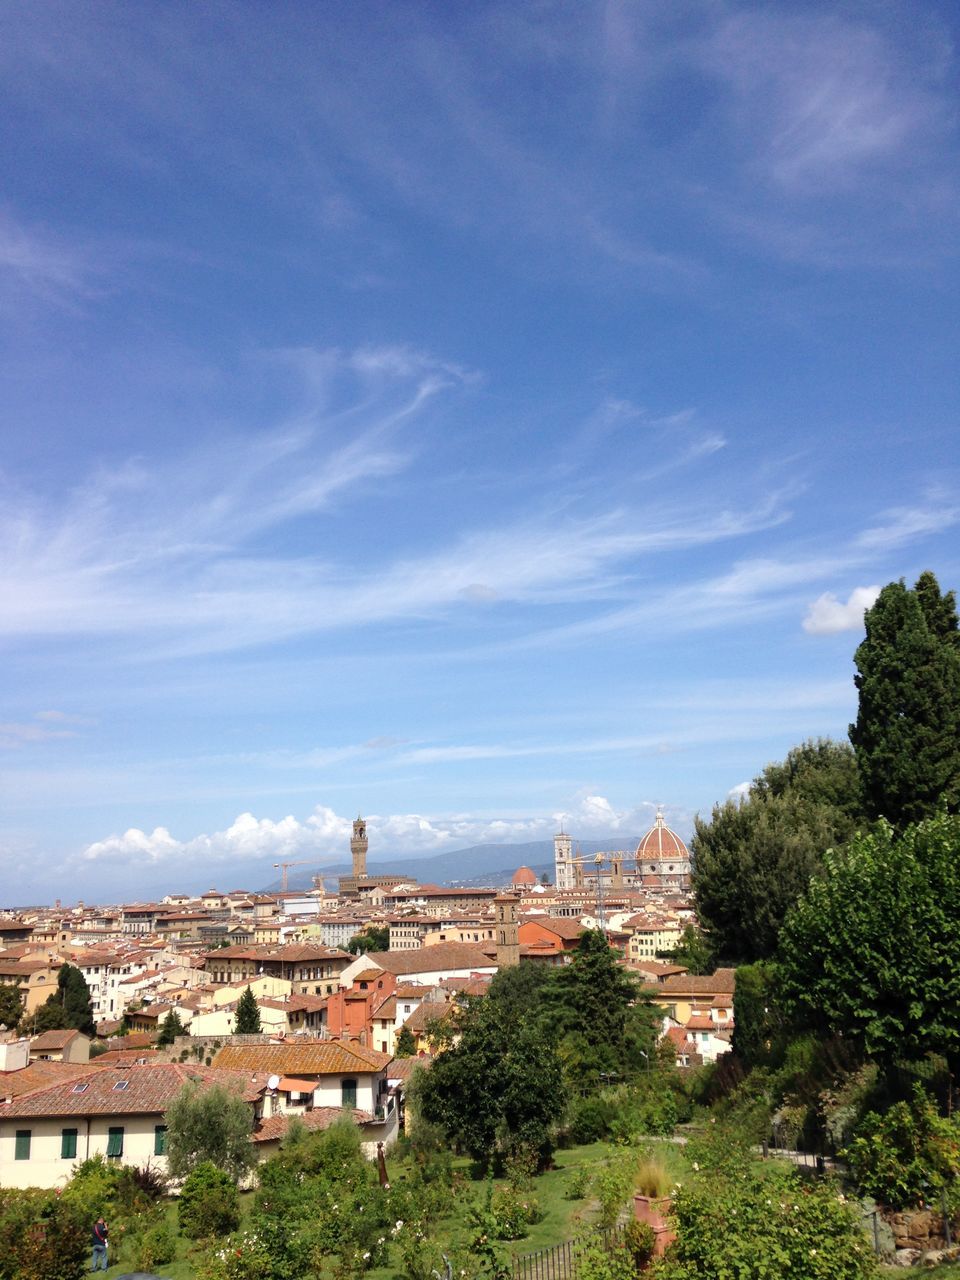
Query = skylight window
x=121 y=1084
x=80 y=1088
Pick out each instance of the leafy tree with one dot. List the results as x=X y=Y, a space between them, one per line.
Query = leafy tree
x=598 y=1013
x=757 y=1024
x=67 y=1008
x=209 y=1204
x=11 y=1005
x=693 y=951
x=872 y=950
x=171 y=1027
x=406 y=1046
x=247 y=1019
x=375 y=937
x=209 y=1124
x=753 y=858
x=907 y=732
x=498 y=1090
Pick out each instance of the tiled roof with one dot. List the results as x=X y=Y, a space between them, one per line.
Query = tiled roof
x=427 y=1012
x=146 y=1090
x=445 y=955
x=39 y=1074
x=52 y=1040
x=312 y=1058
x=403 y=1068
x=720 y=983
x=273 y=1128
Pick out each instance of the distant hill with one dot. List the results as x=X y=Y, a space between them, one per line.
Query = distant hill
x=480 y=864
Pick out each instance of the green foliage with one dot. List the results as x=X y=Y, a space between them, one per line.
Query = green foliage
x=11 y=1005
x=907 y=1156
x=907 y=732
x=600 y=1260
x=406 y=1045
x=247 y=1018
x=515 y=1210
x=171 y=1027
x=758 y=1031
x=612 y=1184
x=42 y=1237
x=375 y=937
x=754 y=858
x=740 y=1218
x=693 y=951
x=598 y=1014
x=589 y=1119
x=500 y=1088
x=155 y=1246
x=872 y=950
x=209 y=1124
x=209 y=1203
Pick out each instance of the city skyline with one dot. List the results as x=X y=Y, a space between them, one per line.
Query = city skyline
x=466 y=418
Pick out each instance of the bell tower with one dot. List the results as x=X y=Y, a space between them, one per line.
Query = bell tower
x=358 y=848
x=507 y=909
x=562 y=854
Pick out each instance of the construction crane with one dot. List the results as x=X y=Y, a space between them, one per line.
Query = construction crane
x=598 y=860
x=284 y=869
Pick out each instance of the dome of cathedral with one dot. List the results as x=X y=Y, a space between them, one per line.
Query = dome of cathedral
x=660 y=842
x=523 y=877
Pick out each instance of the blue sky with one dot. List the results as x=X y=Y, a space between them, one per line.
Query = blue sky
x=459 y=414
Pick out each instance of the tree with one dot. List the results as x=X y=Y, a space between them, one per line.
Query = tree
x=498 y=1090
x=596 y=1009
x=872 y=949
x=907 y=732
x=11 y=1005
x=69 y=1007
x=406 y=1046
x=209 y=1124
x=247 y=1019
x=375 y=937
x=755 y=856
x=692 y=951
x=171 y=1027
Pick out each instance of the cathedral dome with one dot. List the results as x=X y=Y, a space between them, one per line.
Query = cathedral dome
x=661 y=843
x=523 y=877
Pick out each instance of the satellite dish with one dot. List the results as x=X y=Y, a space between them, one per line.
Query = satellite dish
x=273 y=1082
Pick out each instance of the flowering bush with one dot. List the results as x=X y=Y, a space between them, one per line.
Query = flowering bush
x=41 y=1237
x=750 y=1220
x=209 y=1203
x=514 y=1211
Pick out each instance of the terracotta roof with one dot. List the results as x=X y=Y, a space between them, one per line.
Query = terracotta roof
x=52 y=1040
x=661 y=842
x=563 y=928
x=273 y=1128
x=427 y=1012
x=445 y=955
x=523 y=875
x=403 y=1068
x=720 y=983
x=387 y=1010
x=313 y=1058
x=699 y=1022
x=39 y=1074
x=126 y=1057
x=290 y=1084
x=145 y=1090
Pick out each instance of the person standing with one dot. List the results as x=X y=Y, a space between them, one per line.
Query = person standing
x=99 y=1245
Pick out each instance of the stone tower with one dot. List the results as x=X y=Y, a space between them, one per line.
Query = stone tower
x=562 y=855
x=507 y=910
x=358 y=848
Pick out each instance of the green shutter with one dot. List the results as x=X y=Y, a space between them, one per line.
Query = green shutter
x=349 y=1093
x=159 y=1139
x=22 y=1151
x=115 y=1141
x=68 y=1144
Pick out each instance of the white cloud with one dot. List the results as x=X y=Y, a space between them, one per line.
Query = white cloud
x=35 y=260
x=828 y=615
x=739 y=791
x=251 y=842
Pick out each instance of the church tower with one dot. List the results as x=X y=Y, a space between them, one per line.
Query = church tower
x=507 y=909
x=358 y=848
x=562 y=855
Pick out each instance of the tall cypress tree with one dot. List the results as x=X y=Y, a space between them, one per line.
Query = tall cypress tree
x=907 y=733
x=247 y=1020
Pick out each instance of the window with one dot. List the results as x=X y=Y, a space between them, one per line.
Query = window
x=68 y=1144
x=120 y=1085
x=22 y=1147
x=159 y=1139
x=349 y=1090
x=81 y=1088
x=115 y=1141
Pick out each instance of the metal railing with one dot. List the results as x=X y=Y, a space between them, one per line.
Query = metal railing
x=562 y=1261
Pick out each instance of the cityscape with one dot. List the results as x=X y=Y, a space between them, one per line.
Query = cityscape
x=480 y=726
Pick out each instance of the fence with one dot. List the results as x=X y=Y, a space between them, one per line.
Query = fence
x=562 y=1261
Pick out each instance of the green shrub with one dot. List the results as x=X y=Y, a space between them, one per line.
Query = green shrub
x=589 y=1120
x=597 y=1260
x=579 y=1184
x=514 y=1211
x=41 y=1237
x=209 y=1203
x=154 y=1247
x=907 y=1156
x=639 y=1240
x=612 y=1184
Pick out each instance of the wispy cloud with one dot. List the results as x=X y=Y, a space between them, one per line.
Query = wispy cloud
x=41 y=263
x=46 y=726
